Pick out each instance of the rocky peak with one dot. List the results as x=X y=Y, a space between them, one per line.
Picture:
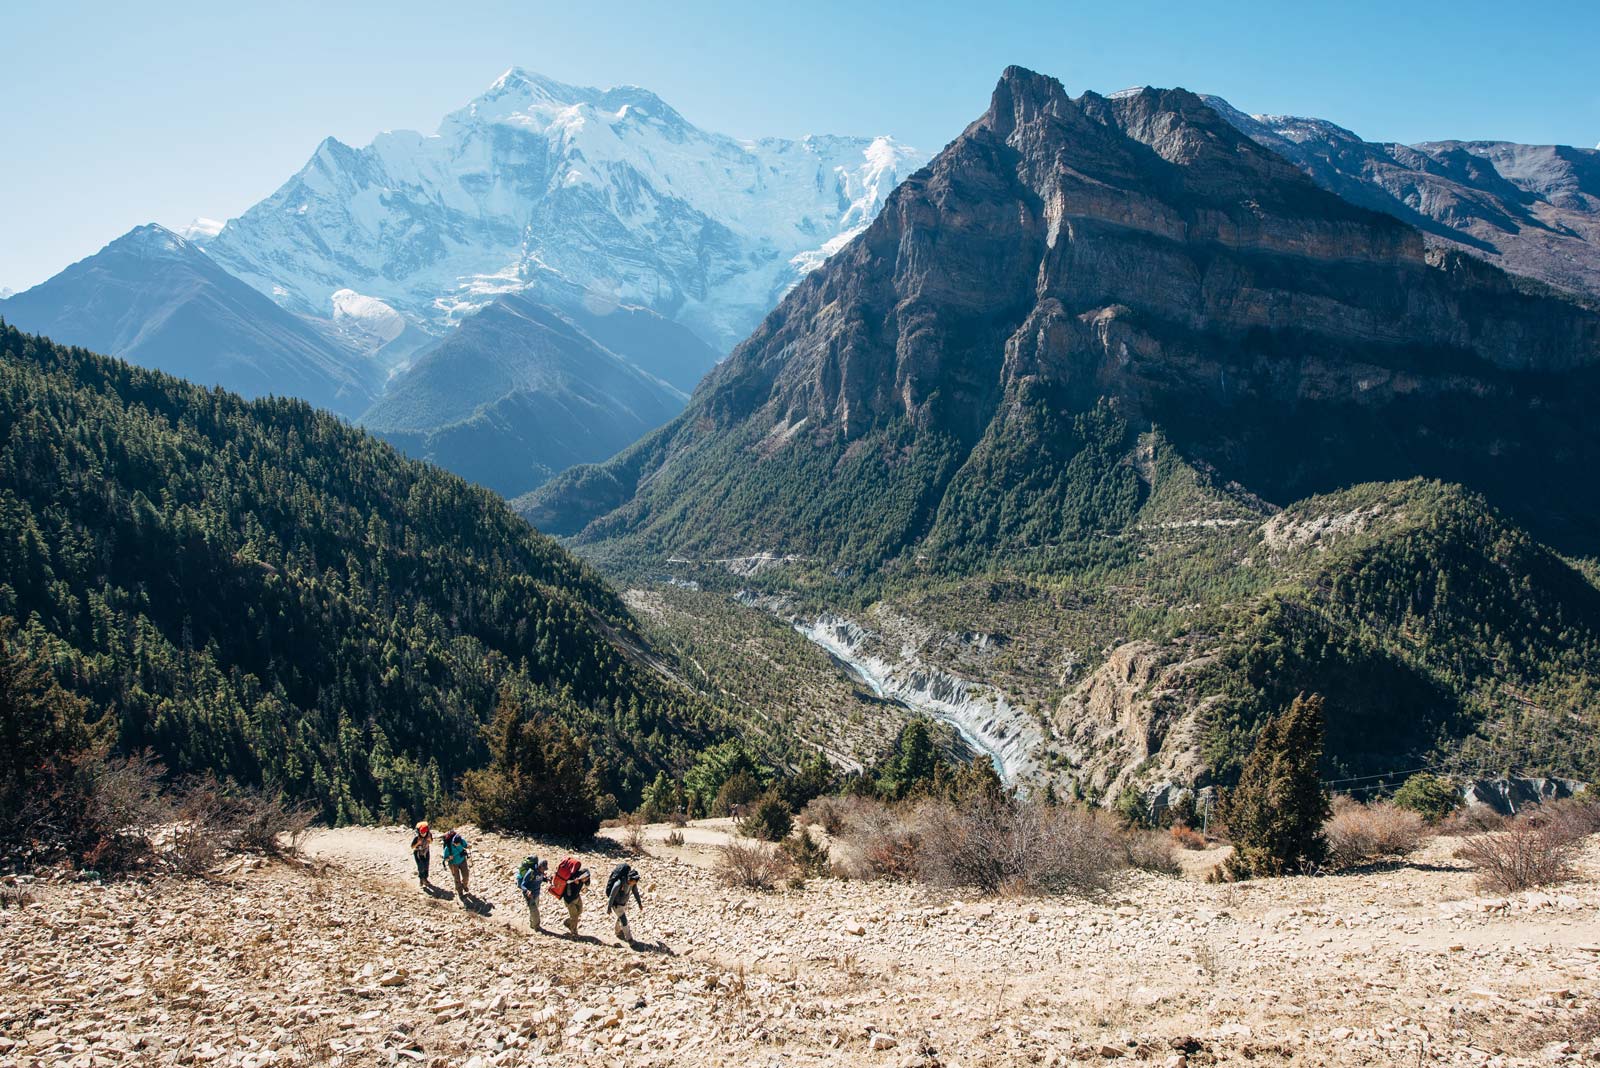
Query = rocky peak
x=1142 y=251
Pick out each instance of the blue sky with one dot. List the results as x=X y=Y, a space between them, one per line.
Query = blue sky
x=116 y=114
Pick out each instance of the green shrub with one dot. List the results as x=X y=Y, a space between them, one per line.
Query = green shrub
x=1429 y=796
x=770 y=819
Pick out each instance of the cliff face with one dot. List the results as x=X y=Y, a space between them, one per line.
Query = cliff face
x=1136 y=253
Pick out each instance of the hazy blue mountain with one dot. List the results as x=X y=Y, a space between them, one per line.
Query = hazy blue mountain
x=155 y=299
x=519 y=392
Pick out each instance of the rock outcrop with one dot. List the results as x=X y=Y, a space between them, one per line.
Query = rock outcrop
x=1138 y=251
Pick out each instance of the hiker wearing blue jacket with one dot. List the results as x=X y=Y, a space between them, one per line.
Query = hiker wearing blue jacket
x=453 y=847
x=531 y=876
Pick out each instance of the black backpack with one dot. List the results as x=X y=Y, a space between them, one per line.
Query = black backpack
x=619 y=874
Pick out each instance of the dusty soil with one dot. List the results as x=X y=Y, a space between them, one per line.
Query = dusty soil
x=341 y=960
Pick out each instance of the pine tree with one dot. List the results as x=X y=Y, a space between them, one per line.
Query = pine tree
x=537 y=781
x=47 y=752
x=1275 y=814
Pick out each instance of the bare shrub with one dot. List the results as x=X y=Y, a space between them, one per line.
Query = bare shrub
x=199 y=829
x=264 y=823
x=14 y=897
x=128 y=797
x=751 y=865
x=633 y=832
x=1576 y=817
x=880 y=843
x=1473 y=819
x=1186 y=837
x=830 y=812
x=1527 y=852
x=1151 y=851
x=992 y=842
x=1359 y=834
x=675 y=838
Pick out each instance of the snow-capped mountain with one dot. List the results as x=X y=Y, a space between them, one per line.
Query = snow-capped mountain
x=562 y=190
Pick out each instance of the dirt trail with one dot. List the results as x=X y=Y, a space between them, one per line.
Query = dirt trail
x=345 y=961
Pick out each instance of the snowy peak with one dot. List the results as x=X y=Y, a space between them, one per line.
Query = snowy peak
x=540 y=185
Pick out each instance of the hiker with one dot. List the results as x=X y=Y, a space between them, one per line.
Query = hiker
x=453 y=847
x=623 y=880
x=570 y=881
x=532 y=874
x=421 y=847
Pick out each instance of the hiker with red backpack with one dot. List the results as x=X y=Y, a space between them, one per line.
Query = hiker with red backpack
x=624 y=879
x=569 y=882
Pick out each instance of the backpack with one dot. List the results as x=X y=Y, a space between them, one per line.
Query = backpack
x=565 y=871
x=529 y=867
x=619 y=874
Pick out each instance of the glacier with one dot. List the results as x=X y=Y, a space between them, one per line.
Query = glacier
x=576 y=194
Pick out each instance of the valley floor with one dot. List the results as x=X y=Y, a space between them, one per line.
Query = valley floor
x=343 y=961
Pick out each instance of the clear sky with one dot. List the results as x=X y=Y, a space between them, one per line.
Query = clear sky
x=116 y=114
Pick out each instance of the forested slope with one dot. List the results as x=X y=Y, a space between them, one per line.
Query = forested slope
x=262 y=590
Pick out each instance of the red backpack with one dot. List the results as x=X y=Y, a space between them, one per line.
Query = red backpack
x=565 y=871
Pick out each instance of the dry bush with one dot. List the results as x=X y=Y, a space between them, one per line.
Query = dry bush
x=633 y=832
x=993 y=842
x=678 y=819
x=198 y=830
x=1470 y=819
x=752 y=866
x=1576 y=817
x=880 y=842
x=1525 y=853
x=1152 y=851
x=1359 y=834
x=128 y=796
x=1186 y=837
x=833 y=813
x=263 y=823
x=674 y=838
x=14 y=897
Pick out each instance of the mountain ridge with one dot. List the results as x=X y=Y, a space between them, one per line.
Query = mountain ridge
x=535 y=181
x=156 y=299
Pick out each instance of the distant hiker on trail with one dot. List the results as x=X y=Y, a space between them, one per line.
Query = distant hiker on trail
x=624 y=879
x=569 y=882
x=421 y=847
x=453 y=847
x=532 y=874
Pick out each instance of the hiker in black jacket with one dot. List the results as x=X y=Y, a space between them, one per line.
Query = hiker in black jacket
x=624 y=880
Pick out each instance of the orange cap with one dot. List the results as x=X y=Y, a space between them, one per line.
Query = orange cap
x=422 y=828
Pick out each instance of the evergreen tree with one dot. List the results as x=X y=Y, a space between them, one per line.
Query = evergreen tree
x=537 y=781
x=47 y=755
x=1275 y=814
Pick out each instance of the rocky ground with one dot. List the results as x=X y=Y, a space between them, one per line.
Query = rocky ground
x=341 y=960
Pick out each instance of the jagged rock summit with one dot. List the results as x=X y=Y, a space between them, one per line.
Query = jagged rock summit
x=961 y=377
x=545 y=185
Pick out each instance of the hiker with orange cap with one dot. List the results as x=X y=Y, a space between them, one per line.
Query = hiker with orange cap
x=421 y=847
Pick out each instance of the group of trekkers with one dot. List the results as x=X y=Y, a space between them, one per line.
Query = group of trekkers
x=533 y=876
